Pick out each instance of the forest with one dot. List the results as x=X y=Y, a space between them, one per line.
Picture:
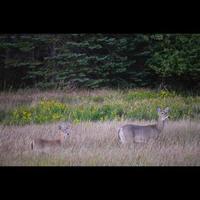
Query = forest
x=99 y=61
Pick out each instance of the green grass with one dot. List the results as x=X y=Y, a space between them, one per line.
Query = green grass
x=99 y=106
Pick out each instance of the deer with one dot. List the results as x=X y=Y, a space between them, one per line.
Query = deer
x=64 y=133
x=143 y=133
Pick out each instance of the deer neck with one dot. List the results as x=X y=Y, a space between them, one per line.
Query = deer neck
x=62 y=138
x=160 y=125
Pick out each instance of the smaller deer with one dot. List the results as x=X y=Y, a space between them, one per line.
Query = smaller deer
x=141 y=134
x=41 y=144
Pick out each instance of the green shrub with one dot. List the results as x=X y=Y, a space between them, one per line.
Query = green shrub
x=135 y=105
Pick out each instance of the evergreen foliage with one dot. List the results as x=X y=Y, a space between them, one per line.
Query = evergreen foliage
x=99 y=60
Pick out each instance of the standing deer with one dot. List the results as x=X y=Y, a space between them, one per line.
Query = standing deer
x=139 y=133
x=41 y=144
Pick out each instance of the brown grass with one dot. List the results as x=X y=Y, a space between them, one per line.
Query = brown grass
x=96 y=144
x=12 y=99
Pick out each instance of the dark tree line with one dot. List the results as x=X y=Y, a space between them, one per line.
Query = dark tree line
x=99 y=60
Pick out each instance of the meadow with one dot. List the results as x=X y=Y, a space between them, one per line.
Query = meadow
x=96 y=117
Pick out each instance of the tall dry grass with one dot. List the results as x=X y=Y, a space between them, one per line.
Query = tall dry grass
x=96 y=144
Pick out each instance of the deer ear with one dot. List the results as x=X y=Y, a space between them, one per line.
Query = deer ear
x=167 y=109
x=158 y=110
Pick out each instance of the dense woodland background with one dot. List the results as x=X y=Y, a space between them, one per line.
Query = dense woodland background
x=99 y=60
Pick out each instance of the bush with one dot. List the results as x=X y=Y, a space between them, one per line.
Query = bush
x=135 y=104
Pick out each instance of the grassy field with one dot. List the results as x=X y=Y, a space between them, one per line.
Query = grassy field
x=96 y=117
x=96 y=144
x=27 y=107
